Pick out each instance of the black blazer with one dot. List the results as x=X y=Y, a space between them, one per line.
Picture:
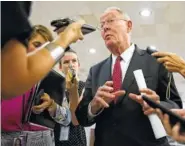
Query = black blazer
x=124 y=124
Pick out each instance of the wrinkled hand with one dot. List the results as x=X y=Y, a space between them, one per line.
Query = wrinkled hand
x=173 y=131
x=104 y=96
x=171 y=61
x=149 y=93
x=71 y=33
x=47 y=102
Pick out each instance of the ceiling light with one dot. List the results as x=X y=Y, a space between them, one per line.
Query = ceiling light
x=92 y=51
x=145 y=12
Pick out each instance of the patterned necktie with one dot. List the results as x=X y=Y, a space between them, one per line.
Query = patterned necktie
x=117 y=75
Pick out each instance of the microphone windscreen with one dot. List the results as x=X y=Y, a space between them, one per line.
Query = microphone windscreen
x=150 y=50
x=73 y=73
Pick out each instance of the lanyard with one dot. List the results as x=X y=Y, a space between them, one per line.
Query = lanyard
x=22 y=113
x=23 y=108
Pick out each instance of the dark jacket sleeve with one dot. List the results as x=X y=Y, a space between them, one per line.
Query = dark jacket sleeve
x=174 y=101
x=82 y=109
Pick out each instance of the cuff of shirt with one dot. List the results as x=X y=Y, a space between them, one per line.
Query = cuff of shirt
x=62 y=115
x=90 y=114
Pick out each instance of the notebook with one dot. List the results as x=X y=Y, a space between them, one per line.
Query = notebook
x=54 y=85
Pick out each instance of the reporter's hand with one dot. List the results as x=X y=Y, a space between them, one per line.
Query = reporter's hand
x=104 y=96
x=173 y=131
x=70 y=34
x=72 y=88
x=149 y=93
x=171 y=61
x=180 y=112
x=47 y=102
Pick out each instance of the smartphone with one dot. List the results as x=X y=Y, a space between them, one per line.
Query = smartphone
x=62 y=23
x=38 y=96
x=174 y=118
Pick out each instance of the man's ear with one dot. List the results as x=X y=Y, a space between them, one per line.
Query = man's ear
x=129 y=26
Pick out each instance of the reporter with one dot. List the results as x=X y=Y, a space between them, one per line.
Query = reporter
x=173 y=131
x=29 y=68
x=171 y=61
x=74 y=90
x=12 y=125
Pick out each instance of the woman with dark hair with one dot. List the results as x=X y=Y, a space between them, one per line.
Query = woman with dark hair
x=27 y=69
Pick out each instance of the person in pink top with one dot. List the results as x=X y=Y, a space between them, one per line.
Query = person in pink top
x=12 y=127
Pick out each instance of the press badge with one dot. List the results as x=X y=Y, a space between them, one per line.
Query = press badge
x=64 y=133
x=19 y=141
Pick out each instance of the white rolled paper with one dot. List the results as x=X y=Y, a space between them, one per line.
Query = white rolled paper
x=155 y=122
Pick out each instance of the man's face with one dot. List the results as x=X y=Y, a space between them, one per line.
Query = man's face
x=69 y=59
x=35 y=42
x=114 y=29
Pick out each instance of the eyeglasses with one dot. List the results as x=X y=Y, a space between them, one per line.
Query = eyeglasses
x=109 y=22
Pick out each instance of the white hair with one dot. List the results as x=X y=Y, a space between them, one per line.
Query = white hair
x=125 y=15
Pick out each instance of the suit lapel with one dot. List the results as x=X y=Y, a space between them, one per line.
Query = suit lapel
x=135 y=64
x=105 y=72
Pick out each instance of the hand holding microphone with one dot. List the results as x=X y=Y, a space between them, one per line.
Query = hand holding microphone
x=72 y=73
x=171 y=61
x=71 y=79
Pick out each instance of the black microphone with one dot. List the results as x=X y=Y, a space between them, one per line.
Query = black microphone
x=174 y=118
x=151 y=50
x=63 y=23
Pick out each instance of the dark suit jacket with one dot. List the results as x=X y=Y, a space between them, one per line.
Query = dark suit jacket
x=124 y=124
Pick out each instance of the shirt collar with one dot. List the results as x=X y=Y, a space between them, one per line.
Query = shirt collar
x=126 y=55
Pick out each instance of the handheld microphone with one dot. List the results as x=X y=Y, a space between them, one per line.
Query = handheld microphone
x=150 y=50
x=63 y=23
x=72 y=73
x=156 y=124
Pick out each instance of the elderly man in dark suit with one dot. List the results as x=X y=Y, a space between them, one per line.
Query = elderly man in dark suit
x=120 y=120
